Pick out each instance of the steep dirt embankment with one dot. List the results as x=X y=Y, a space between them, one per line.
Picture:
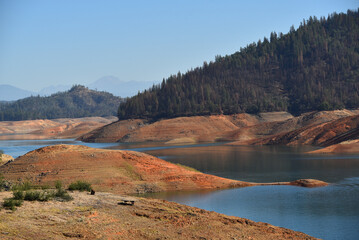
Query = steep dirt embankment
x=179 y=130
x=116 y=171
x=100 y=217
x=323 y=134
x=350 y=146
x=113 y=132
x=55 y=128
x=262 y=130
x=238 y=127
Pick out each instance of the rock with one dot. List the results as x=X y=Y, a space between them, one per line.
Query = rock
x=308 y=183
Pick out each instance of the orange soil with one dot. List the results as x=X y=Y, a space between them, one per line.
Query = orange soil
x=109 y=170
x=351 y=146
x=115 y=171
x=197 y=128
x=237 y=127
x=55 y=128
x=262 y=130
x=114 y=131
x=323 y=134
x=100 y=217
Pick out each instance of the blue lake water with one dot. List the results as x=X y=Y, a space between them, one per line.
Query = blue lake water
x=329 y=212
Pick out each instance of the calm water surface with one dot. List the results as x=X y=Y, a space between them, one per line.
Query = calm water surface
x=329 y=212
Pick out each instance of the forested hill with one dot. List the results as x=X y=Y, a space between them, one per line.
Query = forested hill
x=315 y=67
x=79 y=101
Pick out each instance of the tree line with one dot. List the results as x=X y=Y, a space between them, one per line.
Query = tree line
x=314 y=67
x=79 y=101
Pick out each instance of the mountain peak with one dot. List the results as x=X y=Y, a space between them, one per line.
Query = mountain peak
x=79 y=88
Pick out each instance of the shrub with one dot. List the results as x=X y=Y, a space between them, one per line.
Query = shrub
x=18 y=195
x=80 y=186
x=23 y=186
x=58 y=185
x=41 y=196
x=11 y=203
x=2 y=182
x=63 y=195
x=22 y=192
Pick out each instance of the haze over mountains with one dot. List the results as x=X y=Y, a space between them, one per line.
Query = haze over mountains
x=11 y=93
x=109 y=84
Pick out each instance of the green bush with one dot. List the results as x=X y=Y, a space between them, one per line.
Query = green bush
x=18 y=195
x=41 y=196
x=58 y=185
x=63 y=195
x=11 y=203
x=80 y=186
x=23 y=192
x=23 y=186
x=2 y=182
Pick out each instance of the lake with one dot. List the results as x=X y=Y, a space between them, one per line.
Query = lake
x=329 y=212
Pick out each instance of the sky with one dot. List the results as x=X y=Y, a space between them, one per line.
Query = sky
x=68 y=42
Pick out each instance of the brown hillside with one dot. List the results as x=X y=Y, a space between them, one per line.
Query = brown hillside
x=323 y=134
x=351 y=146
x=109 y=170
x=115 y=171
x=100 y=217
x=113 y=132
x=266 y=129
x=197 y=128
x=55 y=128
x=237 y=127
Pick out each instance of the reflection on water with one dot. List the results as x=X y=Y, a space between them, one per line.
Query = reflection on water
x=330 y=212
x=263 y=163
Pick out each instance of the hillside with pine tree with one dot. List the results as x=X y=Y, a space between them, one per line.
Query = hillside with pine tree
x=78 y=102
x=314 y=67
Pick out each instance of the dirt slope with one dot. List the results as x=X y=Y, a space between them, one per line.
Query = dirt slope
x=237 y=127
x=261 y=130
x=100 y=217
x=55 y=128
x=351 y=146
x=116 y=171
x=190 y=129
x=323 y=134
x=113 y=132
x=109 y=170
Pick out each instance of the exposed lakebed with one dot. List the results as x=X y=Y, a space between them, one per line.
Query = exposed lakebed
x=329 y=212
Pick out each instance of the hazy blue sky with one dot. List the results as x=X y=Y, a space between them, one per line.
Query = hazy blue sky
x=45 y=42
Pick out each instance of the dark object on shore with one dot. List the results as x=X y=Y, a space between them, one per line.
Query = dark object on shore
x=92 y=192
x=127 y=201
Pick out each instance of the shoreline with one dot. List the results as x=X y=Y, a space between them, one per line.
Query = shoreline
x=119 y=171
x=39 y=163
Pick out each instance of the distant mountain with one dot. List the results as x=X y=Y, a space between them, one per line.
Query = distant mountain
x=120 y=88
x=11 y=93
x=315 y=67
x=109 y=84
x=47 y=91
x=77 y=102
